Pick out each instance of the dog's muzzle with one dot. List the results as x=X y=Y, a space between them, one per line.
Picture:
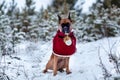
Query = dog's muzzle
x=65 y=27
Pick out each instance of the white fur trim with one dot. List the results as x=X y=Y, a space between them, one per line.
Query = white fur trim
x=61 y=55
x=72 y=30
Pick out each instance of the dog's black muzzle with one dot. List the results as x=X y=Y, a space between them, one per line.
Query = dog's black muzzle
x=65 y=27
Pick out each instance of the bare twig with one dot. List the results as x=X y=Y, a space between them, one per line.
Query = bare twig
x=26 y=75
x=106 y=74
x=112 y=57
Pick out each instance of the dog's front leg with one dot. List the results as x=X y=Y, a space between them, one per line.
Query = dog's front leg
x=55 y=65
x=67 y=66
x=49 y=64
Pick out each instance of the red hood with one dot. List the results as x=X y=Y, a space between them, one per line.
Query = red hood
x=60 y=48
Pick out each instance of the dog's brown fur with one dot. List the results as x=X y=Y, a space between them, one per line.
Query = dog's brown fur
x=65 y=21
x=57 y=63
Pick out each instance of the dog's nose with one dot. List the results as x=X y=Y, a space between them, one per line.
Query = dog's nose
x=65 y=29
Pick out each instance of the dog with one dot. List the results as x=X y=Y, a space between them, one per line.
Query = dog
x=64 y=45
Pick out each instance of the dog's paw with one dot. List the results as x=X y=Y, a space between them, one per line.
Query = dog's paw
x=54 y=74
x=44 y=71
x=69 y=72
x=61 y=70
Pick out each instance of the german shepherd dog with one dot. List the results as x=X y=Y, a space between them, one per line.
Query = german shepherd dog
x=64 y=45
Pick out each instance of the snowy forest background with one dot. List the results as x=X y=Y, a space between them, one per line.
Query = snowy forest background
x=26 y=24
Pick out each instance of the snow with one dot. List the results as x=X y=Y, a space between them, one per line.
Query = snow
x=84 y=64
x=85 y=5
x=44 y=4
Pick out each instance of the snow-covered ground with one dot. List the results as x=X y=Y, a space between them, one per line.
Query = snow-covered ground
x=31 y=58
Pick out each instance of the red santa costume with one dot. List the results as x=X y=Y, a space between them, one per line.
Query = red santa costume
x=60 y=48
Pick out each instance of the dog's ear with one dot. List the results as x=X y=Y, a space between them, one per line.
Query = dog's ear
x=59 y=18
x=69 y=17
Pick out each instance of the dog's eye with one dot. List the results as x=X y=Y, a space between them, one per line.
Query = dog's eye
x=68 y=24
x=65 y=24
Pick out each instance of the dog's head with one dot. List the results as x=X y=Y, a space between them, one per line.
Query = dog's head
x=65 y=24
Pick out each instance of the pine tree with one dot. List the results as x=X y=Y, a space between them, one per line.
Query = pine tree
x=116 y=2
x=2 y=7
x=11 y=9
x=71 y=3
x=107 y=3
x=59 y=4
x=102 y=22
x=4 y=35
x=47 y=26
x=65 y=7
x=17 y=13
x=9 y=34
x=27 y=14
x=29 y=7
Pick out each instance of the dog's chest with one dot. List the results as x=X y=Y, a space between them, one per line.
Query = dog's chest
x=67 y=40
x=61 y=62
